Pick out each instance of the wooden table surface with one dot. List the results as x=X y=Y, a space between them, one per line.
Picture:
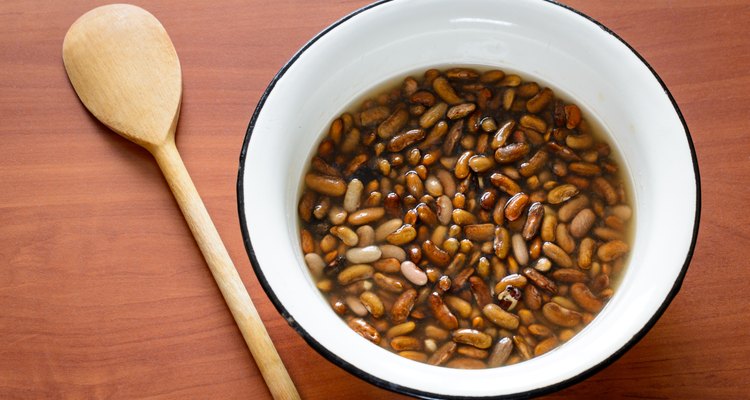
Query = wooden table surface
x=104 y=294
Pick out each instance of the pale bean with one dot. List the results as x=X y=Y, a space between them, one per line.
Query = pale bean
x=413 y=273
x=391 y=251
x=315 y=263
x=355 y=306
x=366 y=215
x=500 y=352
x=363 y=255
x=386 y=228
x=520 y=251
x=337 y=215
x=353 y=195
x=433 y=186
x=582 y=223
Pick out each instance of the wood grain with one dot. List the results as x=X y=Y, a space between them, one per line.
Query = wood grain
x=90 y=309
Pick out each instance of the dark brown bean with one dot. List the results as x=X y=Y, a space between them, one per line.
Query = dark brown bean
x=511 y=152
x=515 y=206
x=541 y=281
x=533 y=220
x=441 y=312
x=403 y=305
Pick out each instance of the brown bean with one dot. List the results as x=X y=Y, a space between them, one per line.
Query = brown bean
x=461 y=110
x=473 y=352
x=353 y=273
x=479 y=232
x=569 y=210
x=569 y=275
x=480 y=291
x=540 y=280
x=374 y=115
x=582 y=223
x=505 y=183
x=540 y=101
x=502 y=242
x=545 y=345
x=446 y=92
x=403 y=306
x=579 y=142
x=393 y=123
x=549 y=225
x=538 y=160
x=584 y=168
x=606 y=190
x=365 y=330
x=423 y=97
x=612 y=250
x=387 y=265
x=406 y=139
x=533 y=122
x=451 y=139
x=502 y=134
x=402 y=343
x=433 y=115
x=442 y=354
x=306 y=241
x=372 y=303
x=572 y=116
x=472 y=337
x=500 y=317
x=532 y=298
x=444 y=209
x=462 y=165
x=515 y=206
x=327 y=185
x=584 y=298
x=522 y=346
x=463 y=217
x=560 y=315
x=511 y=152
x=465 y=363
x=414 y=184
x=388 y=283
x=500 y=352
x=563 y=238
x=403 y=235
x=347 y=236
x=557 y=255
x=516 y=280
x=533 y=220
x=401 y=329
x=435 y=254
x=561 y=193
x=366 y=215
x=586 y=253
x=441 y=312
x=481 y=164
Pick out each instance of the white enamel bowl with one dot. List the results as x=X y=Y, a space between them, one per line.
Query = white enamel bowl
x=546 y=41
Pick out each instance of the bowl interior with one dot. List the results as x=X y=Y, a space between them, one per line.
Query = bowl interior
x=541 y=40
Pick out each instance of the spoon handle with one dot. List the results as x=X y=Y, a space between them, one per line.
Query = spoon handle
x=226 y=276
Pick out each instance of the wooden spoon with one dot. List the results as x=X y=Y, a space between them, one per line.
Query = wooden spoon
x=125 y=70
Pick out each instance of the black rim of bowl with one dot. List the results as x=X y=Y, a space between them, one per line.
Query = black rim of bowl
x=427 y=395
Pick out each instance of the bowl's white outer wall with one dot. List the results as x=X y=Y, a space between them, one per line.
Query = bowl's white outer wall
x=544 y=40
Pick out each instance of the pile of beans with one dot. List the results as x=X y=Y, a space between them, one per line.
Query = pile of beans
x=465 y=218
